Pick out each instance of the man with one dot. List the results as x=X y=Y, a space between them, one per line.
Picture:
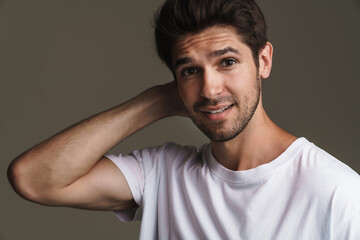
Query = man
x=253 y=181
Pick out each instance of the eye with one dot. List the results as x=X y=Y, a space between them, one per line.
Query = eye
x=228 y=62
x=189 y=71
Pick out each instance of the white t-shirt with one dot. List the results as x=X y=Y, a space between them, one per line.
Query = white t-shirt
x=184 y=193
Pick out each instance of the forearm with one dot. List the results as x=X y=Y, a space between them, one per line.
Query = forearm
x=64 y=158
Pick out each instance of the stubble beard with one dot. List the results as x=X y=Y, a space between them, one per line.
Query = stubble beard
x=215 y=130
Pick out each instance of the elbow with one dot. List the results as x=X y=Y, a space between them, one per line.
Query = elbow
x=17 y=176
x=29 y=184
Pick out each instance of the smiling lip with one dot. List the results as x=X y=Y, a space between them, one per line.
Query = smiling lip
x=217 y=110
x=216 y=113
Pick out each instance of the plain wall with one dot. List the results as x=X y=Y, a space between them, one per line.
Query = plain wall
x=61 y=61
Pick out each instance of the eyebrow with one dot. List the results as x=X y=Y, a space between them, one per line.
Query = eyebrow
x=223 y=51
x=182 y=61
x=216 y=53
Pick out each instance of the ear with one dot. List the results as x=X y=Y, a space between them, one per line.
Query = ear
x=265 y=60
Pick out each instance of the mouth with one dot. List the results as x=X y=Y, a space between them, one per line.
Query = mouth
x=217 y=111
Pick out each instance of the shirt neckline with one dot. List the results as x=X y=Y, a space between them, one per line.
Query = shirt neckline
x=254 y=175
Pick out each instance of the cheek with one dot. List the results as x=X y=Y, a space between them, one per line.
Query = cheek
x=235 y=82
x=241 y=80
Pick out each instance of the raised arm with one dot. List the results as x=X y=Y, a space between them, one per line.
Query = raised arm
x=69 y=169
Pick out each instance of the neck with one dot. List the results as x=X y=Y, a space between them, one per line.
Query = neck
x=260 y=142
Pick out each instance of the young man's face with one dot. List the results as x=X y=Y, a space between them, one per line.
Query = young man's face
x=217 y=81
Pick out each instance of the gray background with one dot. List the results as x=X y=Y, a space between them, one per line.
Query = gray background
x=61 y=61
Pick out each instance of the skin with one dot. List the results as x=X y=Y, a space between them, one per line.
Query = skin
x=218 y=82
x=69 y=169
x=215 y=71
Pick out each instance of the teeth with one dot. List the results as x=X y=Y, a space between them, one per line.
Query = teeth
x=218 y=111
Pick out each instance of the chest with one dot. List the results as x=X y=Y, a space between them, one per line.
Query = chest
x=196 y=202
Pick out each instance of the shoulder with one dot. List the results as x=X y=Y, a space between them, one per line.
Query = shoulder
x=328 y=185
x=336 y=189
x=169 y=153
x=319 y=163
x=325 y=175
x=165 y=150
x=170 y=148
x=173 y=154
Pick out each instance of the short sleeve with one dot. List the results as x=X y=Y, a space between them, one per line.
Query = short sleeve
x=135 y=167
x=347 y=208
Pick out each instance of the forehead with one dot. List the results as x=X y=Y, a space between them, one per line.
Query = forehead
x=210 y=39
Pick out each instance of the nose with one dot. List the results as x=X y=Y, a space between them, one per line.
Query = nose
x=212 y=85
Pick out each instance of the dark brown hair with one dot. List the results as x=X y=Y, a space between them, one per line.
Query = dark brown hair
x=179 y=17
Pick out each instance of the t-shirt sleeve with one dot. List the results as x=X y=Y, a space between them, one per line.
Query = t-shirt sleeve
x=347 y=208
x=135 y=167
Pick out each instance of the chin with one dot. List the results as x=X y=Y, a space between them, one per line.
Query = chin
x=220 y=133
x=222 y=137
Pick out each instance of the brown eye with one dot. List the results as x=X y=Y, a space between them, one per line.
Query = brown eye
x=188 y=72
x=228 y=62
